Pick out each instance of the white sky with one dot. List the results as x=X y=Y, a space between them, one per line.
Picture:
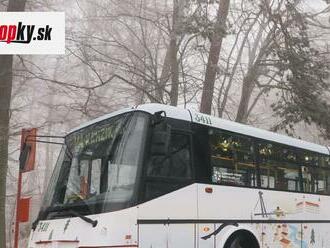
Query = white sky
x=313 y=5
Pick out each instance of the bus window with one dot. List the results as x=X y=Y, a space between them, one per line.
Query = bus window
x=314 y=172
x=175 y=165
x=267 y=177
x=311 y=159
x=278 y=167
x=85 y=180
x=123 y=165
x=170 y=172
x=316 y=180
x=291 y=176
x=99 y=165
x=325 y=179
x=232 y=159
x=324 y=161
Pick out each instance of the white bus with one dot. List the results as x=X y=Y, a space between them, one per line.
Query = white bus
x=157 y=176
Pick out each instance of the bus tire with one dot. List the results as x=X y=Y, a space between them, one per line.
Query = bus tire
x=242 y=239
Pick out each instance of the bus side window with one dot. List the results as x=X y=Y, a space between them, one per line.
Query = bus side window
x=170 y=172
x=325 y=173
x=325 y=161
x=232 y=159
x=180 y=155
x=327 y=182
x=177 y=164
x=278 y=167
x=324 y=168
x=316 y=180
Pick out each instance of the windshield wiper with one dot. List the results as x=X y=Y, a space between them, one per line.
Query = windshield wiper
x=61 y=209
x=71 y=212
x=89 y=220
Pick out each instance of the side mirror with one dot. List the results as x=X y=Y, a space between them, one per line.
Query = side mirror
x=28 y=149
x=24 y=156
x=158 y=117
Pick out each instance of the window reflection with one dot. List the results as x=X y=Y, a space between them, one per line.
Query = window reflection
x=166 y=173
x=316 y=180
x=177 y=164
x=271 y=165
x=98 y=170
x=232 y=159
x=278 y=167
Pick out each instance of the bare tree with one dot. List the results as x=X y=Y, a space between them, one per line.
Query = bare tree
x=6 y=77
x=212 y=63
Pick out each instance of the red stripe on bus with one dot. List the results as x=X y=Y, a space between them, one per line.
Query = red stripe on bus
x=110 y=246
x=77 y=241
x=60 y=241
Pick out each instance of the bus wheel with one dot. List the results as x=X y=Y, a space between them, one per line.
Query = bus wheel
x=242 y=239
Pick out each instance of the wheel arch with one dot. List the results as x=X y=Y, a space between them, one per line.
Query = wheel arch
x=243 y=232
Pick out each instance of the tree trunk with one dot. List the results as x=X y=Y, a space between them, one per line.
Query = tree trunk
x=247 y=88
x=164 y=77
x=212 y=63
x=6 y=76
x=253 y=73
x=174 y=94
x=5 y=95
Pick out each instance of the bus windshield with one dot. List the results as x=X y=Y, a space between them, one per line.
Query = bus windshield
x=97 y=169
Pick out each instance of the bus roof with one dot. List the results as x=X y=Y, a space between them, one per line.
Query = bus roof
x=208 y=120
